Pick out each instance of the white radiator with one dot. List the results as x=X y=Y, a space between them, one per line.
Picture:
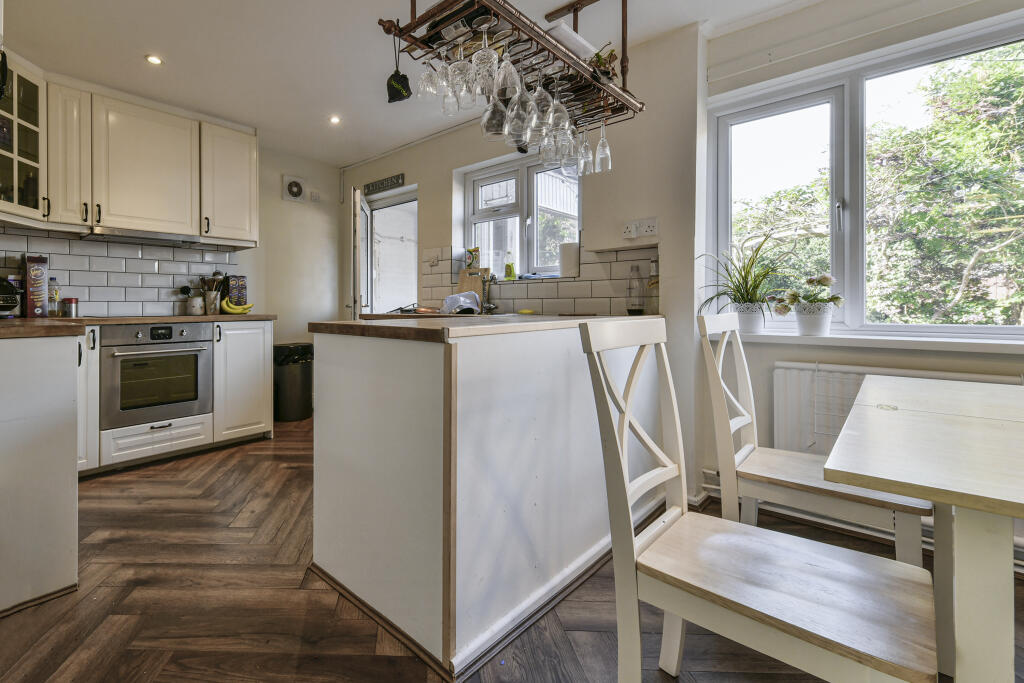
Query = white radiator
x=812 y=400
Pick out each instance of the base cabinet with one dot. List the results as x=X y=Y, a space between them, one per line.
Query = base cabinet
x=143 y=441
x=89 y=400
x=243 y=390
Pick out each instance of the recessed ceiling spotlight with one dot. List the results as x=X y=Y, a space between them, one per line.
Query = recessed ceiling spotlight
x=335 y=119
x=153 y=59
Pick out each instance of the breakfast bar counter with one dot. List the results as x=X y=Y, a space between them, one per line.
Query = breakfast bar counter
x=458 y=480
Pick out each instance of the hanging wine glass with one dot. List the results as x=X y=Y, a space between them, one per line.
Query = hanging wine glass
x=519 y=119
x=463 y=81
x=549 y=150
x=558 y=117
x=603 y=155
x=492 y=123
x=427 y=85
x=506 y=82
x=449 y=101
x=443 y=73
x=542 y=101
x=485 y=60
x=584 y=155
x=566 y=141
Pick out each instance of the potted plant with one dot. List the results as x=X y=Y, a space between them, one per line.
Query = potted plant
x=744 y=279
x=813 y=304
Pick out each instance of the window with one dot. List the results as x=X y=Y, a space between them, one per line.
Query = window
x=523 y=210
x=904 y=179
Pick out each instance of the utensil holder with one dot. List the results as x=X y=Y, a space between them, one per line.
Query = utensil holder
x=212 y=303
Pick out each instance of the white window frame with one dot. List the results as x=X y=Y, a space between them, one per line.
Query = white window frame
x=524 y=171
x=847 y=78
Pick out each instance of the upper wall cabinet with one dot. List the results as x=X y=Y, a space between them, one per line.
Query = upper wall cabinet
x=145 y=169
x=69 y=145
x=23 y=142
x=230 y=184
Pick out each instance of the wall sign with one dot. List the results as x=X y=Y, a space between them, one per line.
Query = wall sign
x=384 y=184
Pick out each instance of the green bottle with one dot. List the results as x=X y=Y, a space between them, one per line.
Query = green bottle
x=510 y=267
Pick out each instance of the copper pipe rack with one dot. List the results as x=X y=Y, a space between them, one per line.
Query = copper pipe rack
x=537 y=56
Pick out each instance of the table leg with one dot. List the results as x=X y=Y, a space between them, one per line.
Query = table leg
x=942 y=574
x=983 y=596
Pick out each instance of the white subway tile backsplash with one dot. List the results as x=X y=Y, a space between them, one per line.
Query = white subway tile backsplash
x=596 y=256
x=618 y=307
x=182 y=280
x=595 y=271
x=106 y=294
x=150 y=280
x=47 y=245
x=123 y=279
x=558 y=306
x=609 y=288
x=124 y=250
x=175 y=267
x=438 y=280
x=140 y=265
x=233 y=258
x=188 y=255
x=96 y=309
x=87 y=248
x=13 y=243
x=140 y=294
x=573 y=290
x=593 y=306
x=157 y=308
x=509 y=291
x=63 y=276
x=106 y=263
x=637 y=254
x=541 y=290
x=215 y=257
x=169 y=294
x=201 y=268
x=535 y=305
x=89 y=278
x=622 y=269
x=64 y=262
x=124 y=308
x=80 y=293
x=157 y=252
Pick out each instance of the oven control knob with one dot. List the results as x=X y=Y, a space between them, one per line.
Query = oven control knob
x=184 y=333
x=138 y=335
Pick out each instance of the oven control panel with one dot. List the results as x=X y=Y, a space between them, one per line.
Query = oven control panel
x=162 y=333
x=131 y=335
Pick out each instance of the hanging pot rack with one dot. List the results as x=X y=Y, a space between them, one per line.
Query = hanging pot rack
x=537 y=56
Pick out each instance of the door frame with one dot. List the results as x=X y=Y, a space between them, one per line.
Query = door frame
x=381 y=200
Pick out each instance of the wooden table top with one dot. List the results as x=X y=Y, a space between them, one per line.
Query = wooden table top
x=22 y=328
x=949 y=442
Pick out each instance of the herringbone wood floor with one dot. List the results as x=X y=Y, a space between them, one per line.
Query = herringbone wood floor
x=195 y=569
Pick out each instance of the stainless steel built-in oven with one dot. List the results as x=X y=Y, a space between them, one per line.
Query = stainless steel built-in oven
x=150 y=373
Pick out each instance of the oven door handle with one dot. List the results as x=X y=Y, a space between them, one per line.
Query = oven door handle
x=119 y=354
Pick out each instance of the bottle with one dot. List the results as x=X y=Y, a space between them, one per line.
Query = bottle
x=510 y=267
x=53 y=303
x=653 y=289
x=635 y=293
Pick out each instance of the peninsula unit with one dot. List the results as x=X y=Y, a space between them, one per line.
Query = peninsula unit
x=458 y=480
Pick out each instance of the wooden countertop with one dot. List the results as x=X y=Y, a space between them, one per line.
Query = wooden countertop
x=24 y=328
x=443 y=330
x=164 y=319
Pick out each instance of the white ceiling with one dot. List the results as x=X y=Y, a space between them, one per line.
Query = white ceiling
x=283 y=66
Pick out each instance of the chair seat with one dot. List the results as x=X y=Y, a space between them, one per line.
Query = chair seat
x=806 y=472
x=873 y=610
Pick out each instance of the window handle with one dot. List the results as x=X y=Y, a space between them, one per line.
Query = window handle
x=839 y=216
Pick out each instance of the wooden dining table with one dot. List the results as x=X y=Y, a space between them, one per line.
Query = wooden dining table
x=961 y=446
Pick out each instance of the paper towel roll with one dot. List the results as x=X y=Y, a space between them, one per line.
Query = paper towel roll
x=569 y=259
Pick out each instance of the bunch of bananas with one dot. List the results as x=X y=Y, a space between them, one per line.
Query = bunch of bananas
x=231 y=309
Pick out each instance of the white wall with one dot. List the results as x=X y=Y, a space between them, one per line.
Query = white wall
x=294 y=271
x=658 y=170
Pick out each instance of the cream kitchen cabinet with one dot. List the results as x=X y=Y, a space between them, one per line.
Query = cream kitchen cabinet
x=89 y=399
x=69 y=146
x=229 y=175
x=243 y=385
x=23 y=142
x=145 y=169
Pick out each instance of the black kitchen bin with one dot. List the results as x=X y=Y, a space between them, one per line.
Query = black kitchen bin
x=293 y=382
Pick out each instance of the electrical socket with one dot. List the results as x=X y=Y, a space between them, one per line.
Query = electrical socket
x=631 y=231
x=648 y=227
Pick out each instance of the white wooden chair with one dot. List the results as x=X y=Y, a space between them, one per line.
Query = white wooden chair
x=833 y=612
x=750 y=473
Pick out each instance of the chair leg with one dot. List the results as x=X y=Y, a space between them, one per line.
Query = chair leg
x=673 y=637
x=748 y=510
x=908 y=538
x=630 y=656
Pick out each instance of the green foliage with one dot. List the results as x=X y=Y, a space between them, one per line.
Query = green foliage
x=944 y=224
x=553 y=230
x=744 y=277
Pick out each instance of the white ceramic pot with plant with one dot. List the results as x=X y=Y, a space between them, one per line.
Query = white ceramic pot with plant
x=744 y=280
x=813 y=305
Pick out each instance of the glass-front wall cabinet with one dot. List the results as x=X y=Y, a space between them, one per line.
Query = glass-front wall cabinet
x=22 y=143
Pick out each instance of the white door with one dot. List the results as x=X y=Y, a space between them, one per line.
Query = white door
x=145 y=169
x=69 y=147
x=392 y=254
x=242 y=379
x=23 y=142
x=89 y=400
x=361 y=286
x=230 y=184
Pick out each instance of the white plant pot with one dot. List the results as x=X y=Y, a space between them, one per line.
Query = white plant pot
x=751 y=317
x=813 y=320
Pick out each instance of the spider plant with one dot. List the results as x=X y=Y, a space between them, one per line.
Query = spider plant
x=744 y=277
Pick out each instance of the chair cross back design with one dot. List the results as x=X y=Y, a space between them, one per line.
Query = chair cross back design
x=750 y=473
x=872 y=618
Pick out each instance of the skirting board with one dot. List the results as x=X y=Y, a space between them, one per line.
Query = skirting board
x=38 y=601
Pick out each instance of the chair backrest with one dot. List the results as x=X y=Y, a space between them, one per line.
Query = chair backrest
x=617 y=422
x=733 y=411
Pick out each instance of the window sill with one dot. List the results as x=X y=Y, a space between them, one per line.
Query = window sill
x=1002 y=345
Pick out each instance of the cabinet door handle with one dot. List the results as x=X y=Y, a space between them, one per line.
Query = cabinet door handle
x=47 y=200
x=85 y=212
x=219 y=334
x=207 y=225
x=92 y=340
x=169 y=424
x=79 y=354
x=99 y=214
